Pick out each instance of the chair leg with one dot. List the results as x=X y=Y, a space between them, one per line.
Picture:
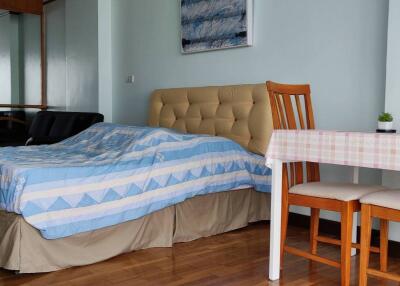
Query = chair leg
x=384 y=232
x=346 y=238
x=314 y=226
x=365 y=243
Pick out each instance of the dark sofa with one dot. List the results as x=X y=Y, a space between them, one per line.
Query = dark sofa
x=13 y=131
x=50 y=127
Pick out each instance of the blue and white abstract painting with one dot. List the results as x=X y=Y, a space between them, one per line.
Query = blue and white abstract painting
x=215 y=24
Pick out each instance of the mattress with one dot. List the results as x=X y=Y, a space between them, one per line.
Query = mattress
x=24 y=250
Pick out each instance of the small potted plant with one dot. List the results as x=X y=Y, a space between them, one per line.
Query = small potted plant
x=385 y=121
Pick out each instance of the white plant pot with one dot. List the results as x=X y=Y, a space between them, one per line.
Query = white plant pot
x=385 y=125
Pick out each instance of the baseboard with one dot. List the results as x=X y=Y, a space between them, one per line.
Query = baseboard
x=333 y=228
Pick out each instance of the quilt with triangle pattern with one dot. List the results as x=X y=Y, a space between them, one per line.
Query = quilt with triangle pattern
x=110 y=174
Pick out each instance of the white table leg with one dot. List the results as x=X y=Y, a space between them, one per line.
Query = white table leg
x=275 y=231
x=356 y=175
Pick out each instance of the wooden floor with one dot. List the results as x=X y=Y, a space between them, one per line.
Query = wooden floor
x=235 y=258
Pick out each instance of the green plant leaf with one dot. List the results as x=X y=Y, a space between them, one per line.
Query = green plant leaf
x=385 y=117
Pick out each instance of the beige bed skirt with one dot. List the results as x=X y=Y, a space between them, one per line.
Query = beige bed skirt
x=23 y=249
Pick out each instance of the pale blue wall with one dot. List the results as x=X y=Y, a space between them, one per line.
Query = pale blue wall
x=105 y=58
x=339 y=46
x=81 y=48
x=392 y=100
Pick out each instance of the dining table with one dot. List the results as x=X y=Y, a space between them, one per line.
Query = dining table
x=355 y=149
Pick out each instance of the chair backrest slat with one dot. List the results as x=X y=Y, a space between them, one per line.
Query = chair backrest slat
x=299 y=111
x=284 y=117
x=281 y=113
x=289 y=111
x=309 y=112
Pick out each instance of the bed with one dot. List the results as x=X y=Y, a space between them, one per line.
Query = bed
x=241 y=113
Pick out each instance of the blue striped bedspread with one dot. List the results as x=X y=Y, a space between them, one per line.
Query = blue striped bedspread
x=110 y=174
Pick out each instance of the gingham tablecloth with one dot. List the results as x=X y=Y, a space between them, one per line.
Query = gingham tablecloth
x=370 y=150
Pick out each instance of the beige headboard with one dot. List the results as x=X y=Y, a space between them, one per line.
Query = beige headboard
x=239 y=112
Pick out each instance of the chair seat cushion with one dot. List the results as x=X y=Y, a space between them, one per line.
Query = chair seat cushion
x=335 y=191
x=387 y=199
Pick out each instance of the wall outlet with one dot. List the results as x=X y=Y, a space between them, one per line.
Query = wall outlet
x=131 y=79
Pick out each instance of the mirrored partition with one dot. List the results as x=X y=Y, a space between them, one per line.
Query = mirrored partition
x=20 y=59
x=22 y=55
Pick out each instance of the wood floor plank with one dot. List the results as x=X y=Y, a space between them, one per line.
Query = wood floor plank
x=237 y=258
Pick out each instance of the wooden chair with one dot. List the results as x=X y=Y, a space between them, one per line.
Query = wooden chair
x=301 y=184
x=384 y=206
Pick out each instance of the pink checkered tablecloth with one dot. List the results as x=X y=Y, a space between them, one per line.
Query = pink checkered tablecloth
x=370 y=150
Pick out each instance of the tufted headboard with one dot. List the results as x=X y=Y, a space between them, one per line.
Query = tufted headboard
x=239 y=112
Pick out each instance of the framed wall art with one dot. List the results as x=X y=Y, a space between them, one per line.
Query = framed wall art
x=216 y=24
